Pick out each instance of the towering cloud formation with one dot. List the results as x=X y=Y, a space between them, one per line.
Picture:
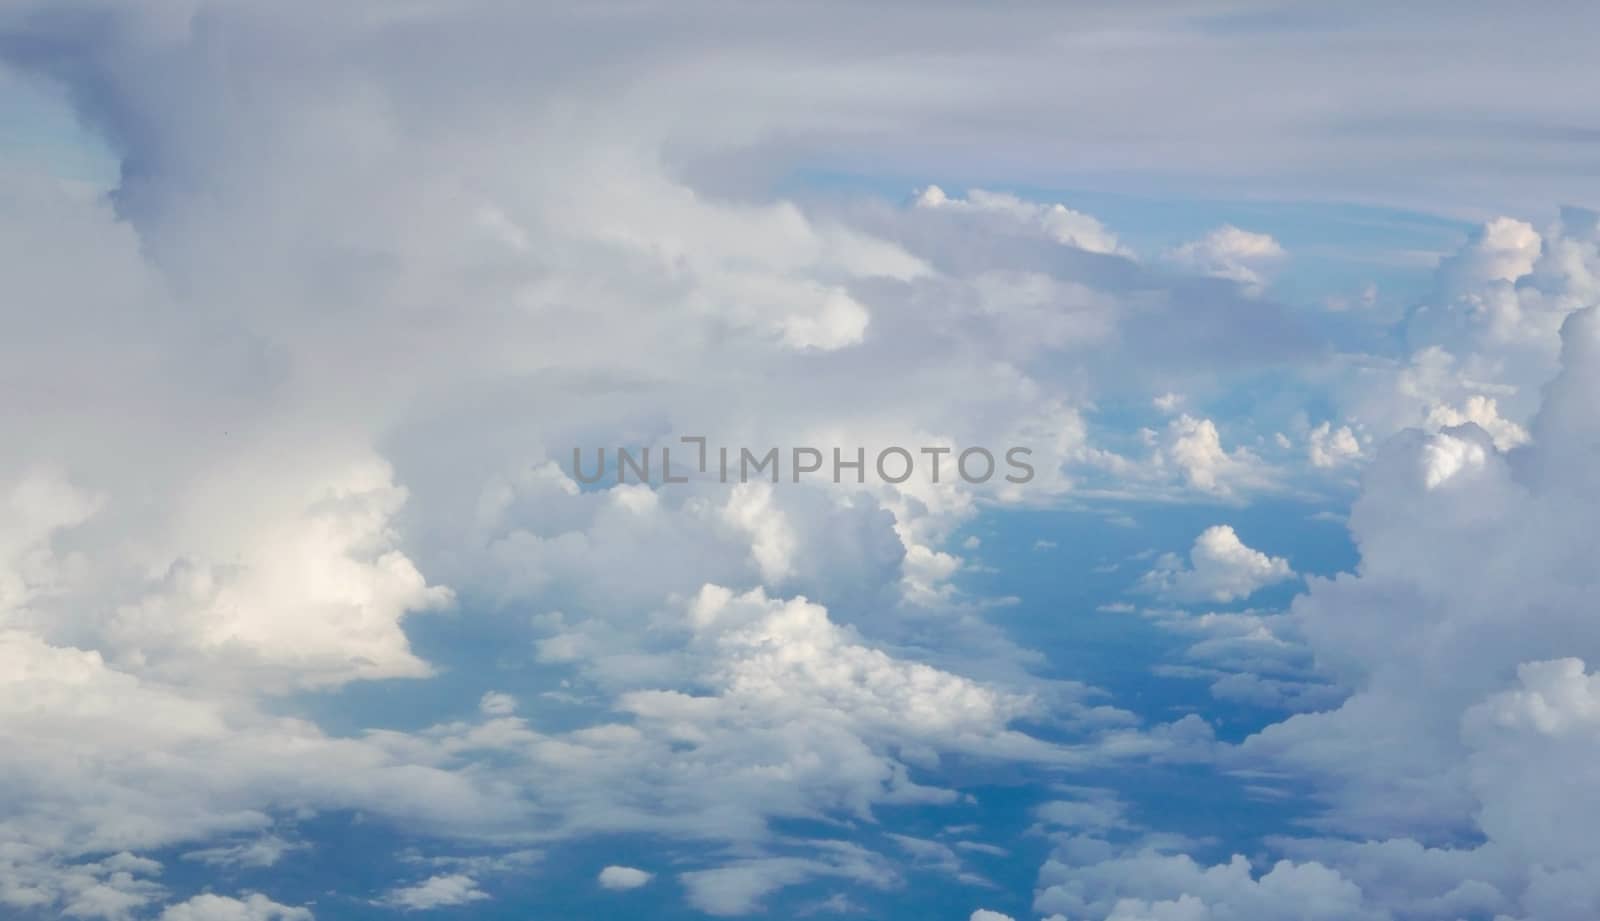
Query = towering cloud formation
x=1454 y=772
x=281 y=409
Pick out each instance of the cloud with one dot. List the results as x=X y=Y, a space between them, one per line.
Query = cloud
x=1503 y=250
x=1194 y=446
x=262 y=852
x=306 y=374
x=1150 y=886
x=738 y=888
x=1332 y=447
x=1487 y=338
x=1251 y=657
x=436 y=892
x=1445 y=776
x=493 y=703
x=253 y=907
x=1220 y=568
x=1228 y=252
x=623 y=878
x=1484 y=413
x=1056 y=222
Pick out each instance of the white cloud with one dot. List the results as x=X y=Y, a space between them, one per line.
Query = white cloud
x=436 y=892
x=1151 y=886
x=1484 y=413
x=1467 y=577
x=1504 y=250
x=1231 y=253
x=1056 y=222
x=1220 y=568
x=261 y=852
x=493 y=703
x=1194 y=446
x=622 y=878
x=739 y=888
x=270 y=413
x=1332 y=447
x=253 y=907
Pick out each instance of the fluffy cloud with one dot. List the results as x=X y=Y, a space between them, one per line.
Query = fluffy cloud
x=1056 y=222
x=1151 y=886
x=1220 y=568
x=621 y=878
x=1331 y=447
x=1231 y=253
x=1487 y=338
x=1195 y=448
x=1485 y=414
x=436 y=892
x=1454 y=779
x=306 y=374
x=253 y=907
x=782 y=692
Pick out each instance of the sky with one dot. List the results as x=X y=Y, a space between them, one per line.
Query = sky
x=308 y=311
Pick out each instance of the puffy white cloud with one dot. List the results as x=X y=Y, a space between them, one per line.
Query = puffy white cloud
x=313 y=590
x=35 y=879
x=1194 y=446
x=270 y=412
x=1184 y=459
x=1220 y=568
x=1504 y=250
x=1231 y=253
x=1487 y=339
x=1332 y=447
x=984 y=914
x=81 y=737
x=1147 y=885
x=622 y=878
x=1470 y=572
x=436 y=892
x=1484 y=413
x=1527 y=746
x=1056 y=222
x=253 y=907
x=494 y=703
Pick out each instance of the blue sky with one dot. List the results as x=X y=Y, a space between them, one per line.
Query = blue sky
x=305 y=613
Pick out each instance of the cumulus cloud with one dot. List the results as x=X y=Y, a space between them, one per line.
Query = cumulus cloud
x=1446 y=771
x=1151 y=886
x=1332 y=447
x=1056 y=222
x=622 y=878
x=1194 y=447
x=1228 y=252
x=494 y=703
x=1220 y=568
x=436 y=892
x=253 y=907
x=305 y=375
x=1484 y=413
